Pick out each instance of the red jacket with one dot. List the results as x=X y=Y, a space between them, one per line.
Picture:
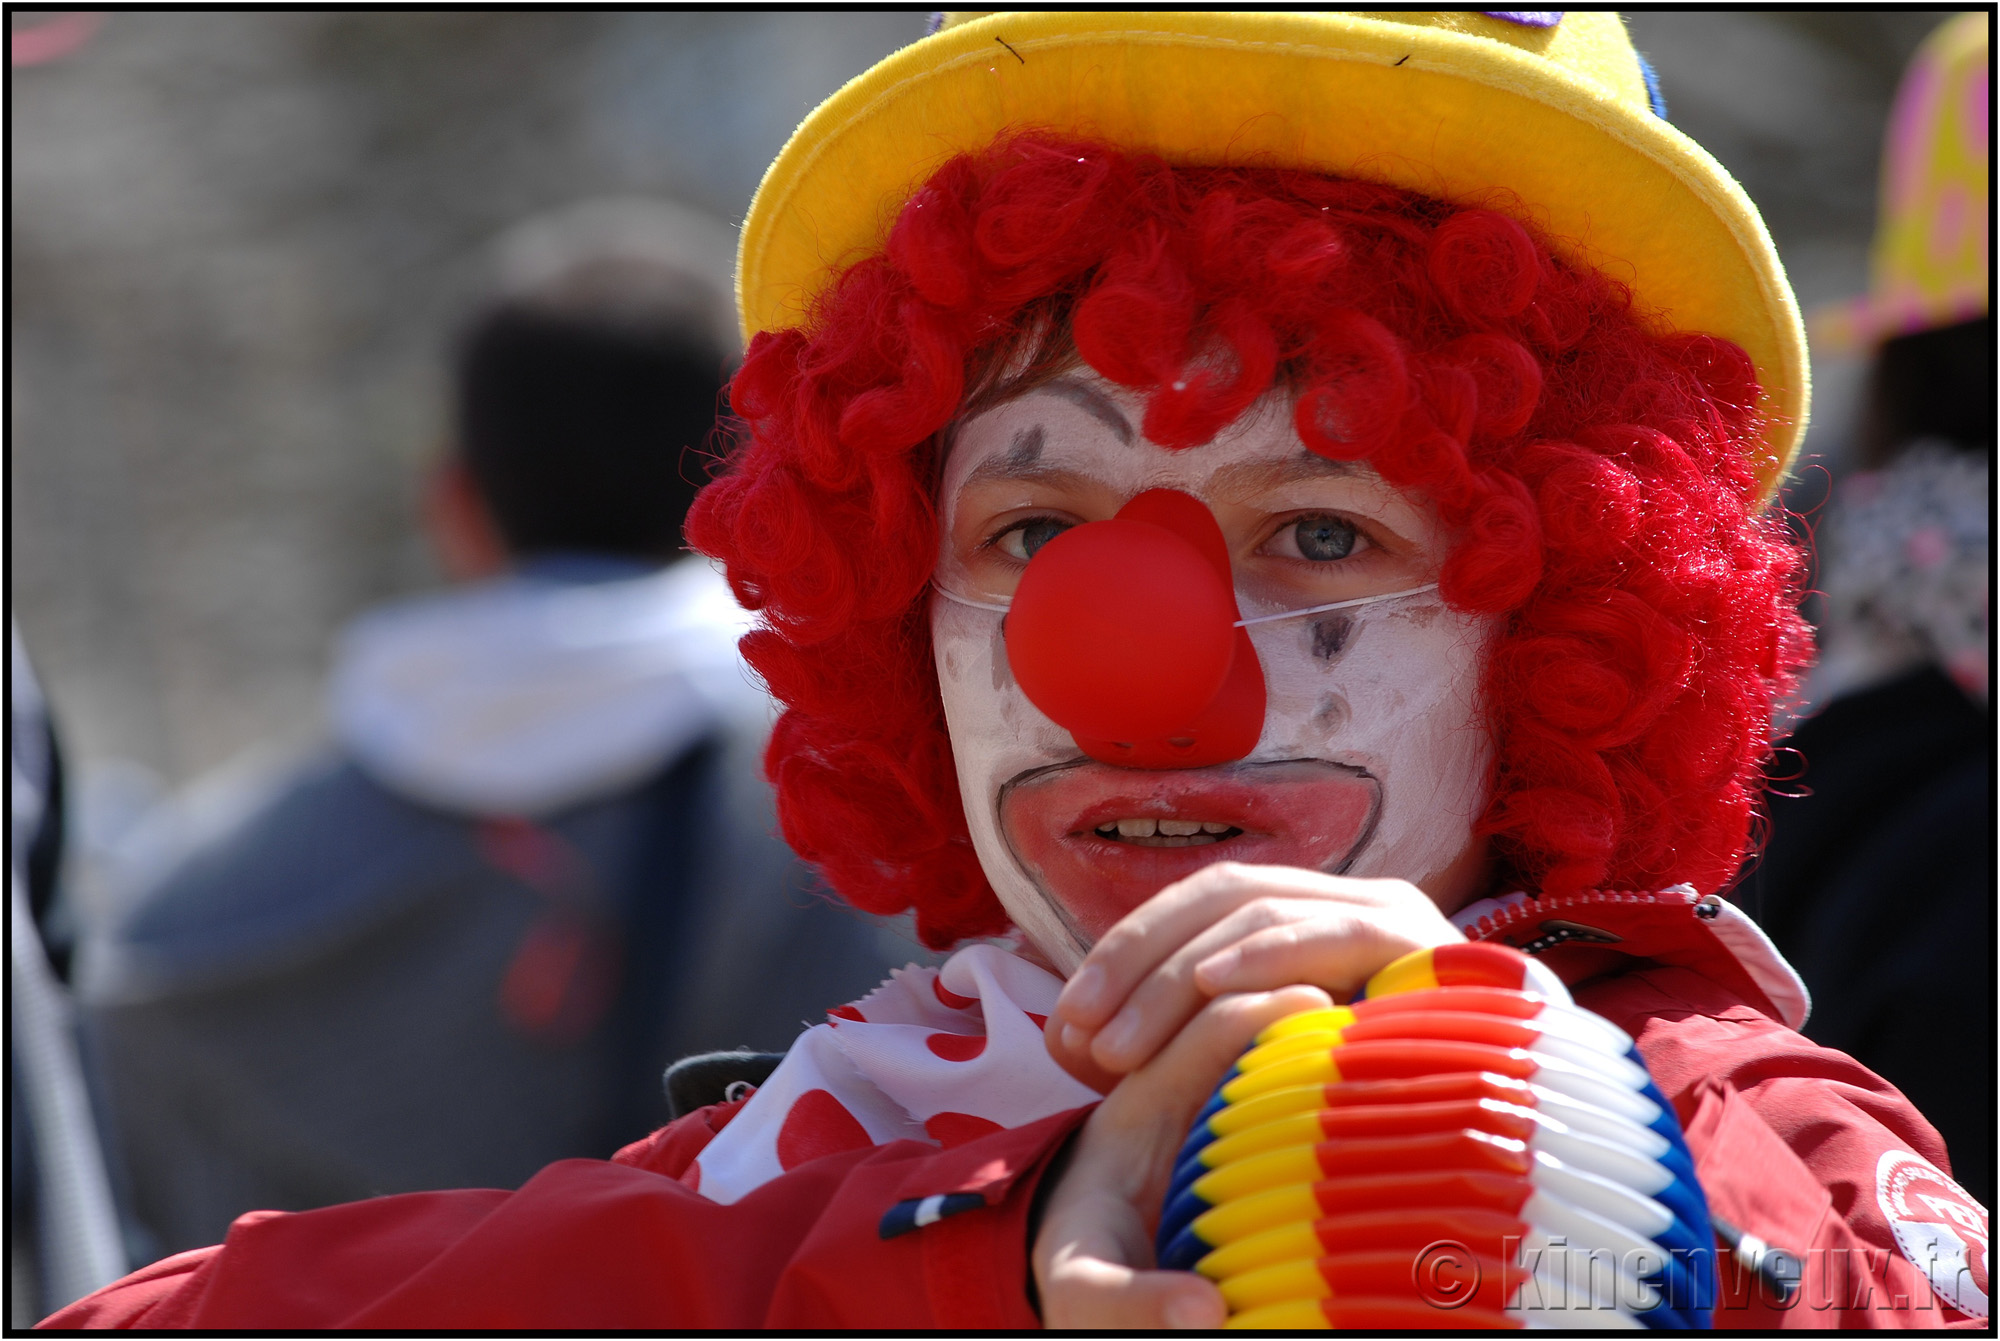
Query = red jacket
x=1798 y=1147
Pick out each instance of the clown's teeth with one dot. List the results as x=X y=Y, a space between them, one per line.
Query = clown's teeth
x=1148 y=832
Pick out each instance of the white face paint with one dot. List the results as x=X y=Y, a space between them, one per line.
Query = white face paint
x=1374 y=756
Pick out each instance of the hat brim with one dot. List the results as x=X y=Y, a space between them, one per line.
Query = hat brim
x=1449 y=114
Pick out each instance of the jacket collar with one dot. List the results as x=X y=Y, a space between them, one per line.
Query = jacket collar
x=1599 y=931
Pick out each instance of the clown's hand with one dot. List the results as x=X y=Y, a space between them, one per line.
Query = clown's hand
x=1093 y=1252
x=1229 y=928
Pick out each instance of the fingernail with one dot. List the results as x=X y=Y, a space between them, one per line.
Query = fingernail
x=1214 y=972
x=1188 y=1315
x=1074 y=1038
x=1080 y=995
x=1115 y=1037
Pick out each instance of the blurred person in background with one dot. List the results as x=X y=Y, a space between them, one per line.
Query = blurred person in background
x=1878 y=878
x=538 y=863
x=63 y=1234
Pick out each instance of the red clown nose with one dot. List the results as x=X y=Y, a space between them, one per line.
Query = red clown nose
x=1124 y=633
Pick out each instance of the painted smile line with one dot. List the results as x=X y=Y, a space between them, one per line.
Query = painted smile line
x=1099 y=840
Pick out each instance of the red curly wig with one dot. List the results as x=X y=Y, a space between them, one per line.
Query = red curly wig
x=1593 y=473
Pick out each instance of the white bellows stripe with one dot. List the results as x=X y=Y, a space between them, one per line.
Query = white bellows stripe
x=1559 y=1217
x=1603 y=1158
x=1586 y=1055
x=1600 y=1195
x=1583 y=1026
x=1596 y=1122
x=1556 y=1136
x=1557 y=1322
x=1569 y=1276
x=1567 y=1078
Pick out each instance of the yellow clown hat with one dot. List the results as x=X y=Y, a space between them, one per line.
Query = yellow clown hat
x=1552 y=110
x=1930 y=264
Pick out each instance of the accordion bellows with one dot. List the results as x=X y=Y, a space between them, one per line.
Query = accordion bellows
x=1461 y=1147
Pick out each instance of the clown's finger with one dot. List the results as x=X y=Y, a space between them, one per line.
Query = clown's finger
x=1168 y=997
x=1144 y=938
x=1130 y=1142
x=1084 y=1292
x=1339 y=956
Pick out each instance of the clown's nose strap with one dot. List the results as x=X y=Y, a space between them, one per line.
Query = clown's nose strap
x=1124 y=632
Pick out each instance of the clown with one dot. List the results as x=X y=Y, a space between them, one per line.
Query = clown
x=1220 y=545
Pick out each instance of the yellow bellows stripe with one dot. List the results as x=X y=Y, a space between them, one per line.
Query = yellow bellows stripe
x=1265 y=1210
x=1294 y=1315
x=1308 y=1022
x=1266 y=1108
x=1259 y=1173
x=1294 y=1130
x=1284 y=1049
x=1315 y=1068
x=1288 y=1242
x=1414 y=972
x=1275 y=1284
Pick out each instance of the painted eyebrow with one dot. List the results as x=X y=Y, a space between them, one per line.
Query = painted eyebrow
x=1091 y=401
x=1305 y=465
x=1017 y=464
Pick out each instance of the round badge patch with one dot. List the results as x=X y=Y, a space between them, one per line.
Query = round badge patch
x=1940 y=1229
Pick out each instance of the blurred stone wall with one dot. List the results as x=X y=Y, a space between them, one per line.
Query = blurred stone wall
x=241 y=241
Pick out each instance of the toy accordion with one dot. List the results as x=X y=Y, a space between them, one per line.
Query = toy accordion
x=1462 y=1146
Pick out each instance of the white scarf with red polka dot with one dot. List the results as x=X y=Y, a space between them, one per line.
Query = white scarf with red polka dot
x=936 y=1055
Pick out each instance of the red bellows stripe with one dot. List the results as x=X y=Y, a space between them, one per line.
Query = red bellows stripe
x=1484 y=1000
x=1390 y=1120
x=1446 y=1189
x=1464 y=1026
x=1414 y=1154
x=1412 y=1228
x=1478 y=964
x=1404 y=1059
x=1428 y=1089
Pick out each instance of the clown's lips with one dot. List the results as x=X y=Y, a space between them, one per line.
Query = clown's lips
x=1062 y=824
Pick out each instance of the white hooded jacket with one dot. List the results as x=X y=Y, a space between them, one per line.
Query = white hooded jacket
x=536 y=692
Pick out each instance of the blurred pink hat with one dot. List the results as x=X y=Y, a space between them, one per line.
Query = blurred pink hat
x=1929 y=263
x=56 y=36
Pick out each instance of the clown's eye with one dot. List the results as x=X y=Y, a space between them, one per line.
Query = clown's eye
x=1320 y=538
x=1023 y=538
